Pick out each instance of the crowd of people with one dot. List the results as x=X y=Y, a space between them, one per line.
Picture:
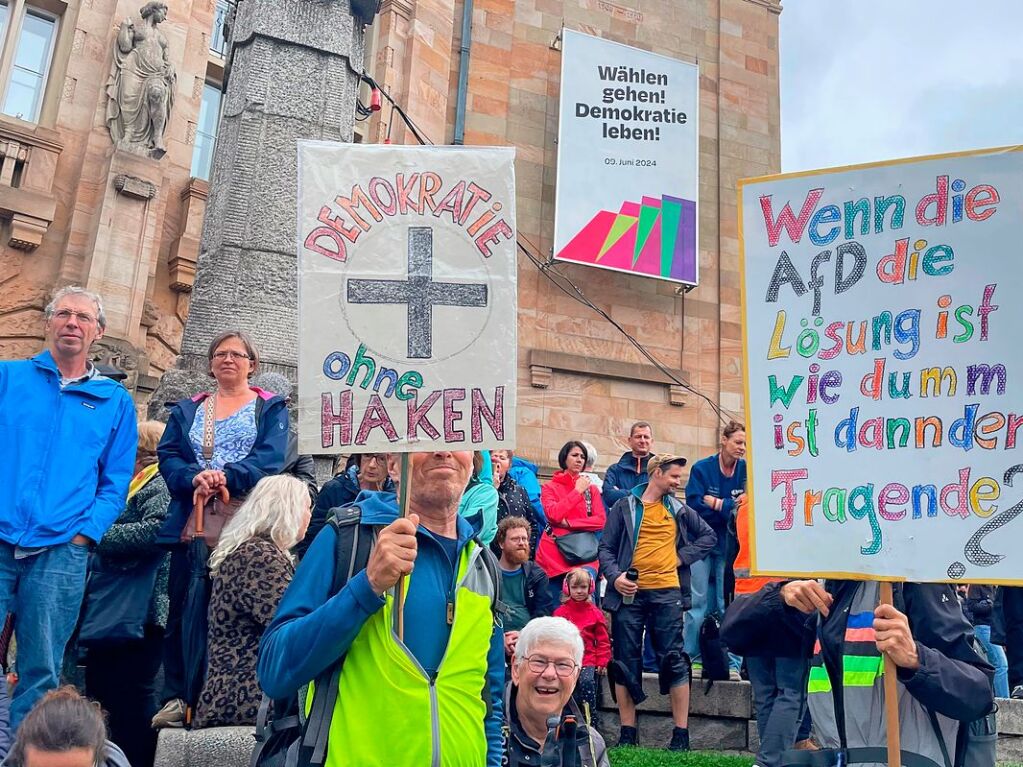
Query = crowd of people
x=197 y=572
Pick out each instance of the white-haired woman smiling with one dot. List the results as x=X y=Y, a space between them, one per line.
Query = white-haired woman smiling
x=538 y=704
x=251 y=568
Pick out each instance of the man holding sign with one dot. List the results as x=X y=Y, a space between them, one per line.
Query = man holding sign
x=846 y=632
x=412 y=702
x=407 y=278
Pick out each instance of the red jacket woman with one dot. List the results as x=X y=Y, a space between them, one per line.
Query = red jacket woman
x=571 y=505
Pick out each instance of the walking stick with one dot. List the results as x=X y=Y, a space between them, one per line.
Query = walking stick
x=404 y=493
x=891 y=694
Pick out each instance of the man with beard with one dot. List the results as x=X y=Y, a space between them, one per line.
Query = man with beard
x=441 y=687
x=524 y=584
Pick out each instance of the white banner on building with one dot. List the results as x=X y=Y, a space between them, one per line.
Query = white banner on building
x=884 y=381
x=628 y=160
x=407 y=298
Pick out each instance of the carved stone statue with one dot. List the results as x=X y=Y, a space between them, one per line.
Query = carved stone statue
x=141 y=87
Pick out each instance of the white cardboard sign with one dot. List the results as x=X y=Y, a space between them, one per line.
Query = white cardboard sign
x=883 y=370
x=407 y=298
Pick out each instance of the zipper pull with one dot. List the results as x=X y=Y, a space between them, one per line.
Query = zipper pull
x=451 y=612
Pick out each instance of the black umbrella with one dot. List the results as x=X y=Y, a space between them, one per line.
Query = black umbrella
x=195 y=620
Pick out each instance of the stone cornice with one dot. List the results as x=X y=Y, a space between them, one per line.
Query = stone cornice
x=774 y=6
x=404 y=8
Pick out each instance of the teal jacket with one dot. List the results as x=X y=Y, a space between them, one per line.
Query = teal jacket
x=66 y=455
x=479 y=502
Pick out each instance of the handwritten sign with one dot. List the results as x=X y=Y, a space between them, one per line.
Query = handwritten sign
x=407 y=293
x=628 y=160
x=883 y=374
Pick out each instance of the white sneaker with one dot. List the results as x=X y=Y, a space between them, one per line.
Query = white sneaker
x=734 y=676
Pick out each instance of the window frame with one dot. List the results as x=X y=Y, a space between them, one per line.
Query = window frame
x=17 y=11
x=219 y=87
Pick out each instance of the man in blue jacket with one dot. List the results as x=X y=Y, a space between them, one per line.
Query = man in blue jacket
x=630 y=470
x=68 y=437
x=446 y=679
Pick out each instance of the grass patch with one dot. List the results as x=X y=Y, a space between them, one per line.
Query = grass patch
x=656 y=757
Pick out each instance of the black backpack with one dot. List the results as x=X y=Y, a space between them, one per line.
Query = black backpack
x=284 y=736
x=713 y=650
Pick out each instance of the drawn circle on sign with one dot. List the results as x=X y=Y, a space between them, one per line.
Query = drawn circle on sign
x=383 y=327
x=956 y=570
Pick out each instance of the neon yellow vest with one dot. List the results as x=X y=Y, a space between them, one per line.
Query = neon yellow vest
x=389 y=713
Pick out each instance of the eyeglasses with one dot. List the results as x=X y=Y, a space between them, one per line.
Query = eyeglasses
x=232 y=354
x=563 y=668
x=379 y=458
x=83 y=318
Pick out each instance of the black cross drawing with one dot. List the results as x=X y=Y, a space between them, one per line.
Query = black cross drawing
x=419 y=292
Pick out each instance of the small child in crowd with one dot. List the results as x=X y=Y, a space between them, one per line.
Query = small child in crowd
x=589 y=619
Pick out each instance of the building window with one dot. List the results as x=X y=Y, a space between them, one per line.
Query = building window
x=206 y=131
x=218 y=40
x=29 y=34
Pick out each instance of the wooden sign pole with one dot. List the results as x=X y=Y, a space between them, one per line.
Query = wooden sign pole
x=404 y=493
x=891 y=694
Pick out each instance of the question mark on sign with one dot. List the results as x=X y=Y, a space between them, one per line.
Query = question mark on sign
x=973 y=551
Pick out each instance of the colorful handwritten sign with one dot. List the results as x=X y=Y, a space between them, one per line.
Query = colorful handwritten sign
x=628 y=161
x=884 y=381
x=407 y=298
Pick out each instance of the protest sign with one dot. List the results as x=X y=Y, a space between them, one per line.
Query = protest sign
x=407 y=298
x=883 y=378
x=628 y=160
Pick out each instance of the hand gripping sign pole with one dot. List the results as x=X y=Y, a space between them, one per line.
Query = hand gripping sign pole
x=891 y=693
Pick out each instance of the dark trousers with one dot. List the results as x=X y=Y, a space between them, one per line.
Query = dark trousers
x=122 y=677
x=659 y=611
x=173 y=655
x=779 y=695
x=1012 y=610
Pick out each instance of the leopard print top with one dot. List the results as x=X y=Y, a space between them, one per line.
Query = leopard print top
x=246 y=591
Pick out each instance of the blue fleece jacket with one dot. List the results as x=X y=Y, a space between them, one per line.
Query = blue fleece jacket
x=705 y=478
x=526 y=475
x=66 y=454
x=311 y=628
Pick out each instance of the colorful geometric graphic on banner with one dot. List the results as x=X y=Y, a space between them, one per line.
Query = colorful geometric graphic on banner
x=654 y=237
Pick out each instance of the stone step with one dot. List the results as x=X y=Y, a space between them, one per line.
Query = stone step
x=212 y=747
x=1010 y=716
x=705 y=733
x=731 y=700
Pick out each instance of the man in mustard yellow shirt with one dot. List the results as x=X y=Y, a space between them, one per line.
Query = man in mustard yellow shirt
x=657 y=537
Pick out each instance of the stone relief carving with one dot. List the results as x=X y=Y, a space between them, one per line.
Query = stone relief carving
x=140 y=91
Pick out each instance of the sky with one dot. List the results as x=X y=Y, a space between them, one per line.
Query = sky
x=867 y=80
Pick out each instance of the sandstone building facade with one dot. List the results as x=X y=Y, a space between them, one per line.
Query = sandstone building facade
x=76 y=209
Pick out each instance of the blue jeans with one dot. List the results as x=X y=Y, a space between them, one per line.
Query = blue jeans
x=779 y=696
x=707 y=586
x=996 y=657
x=45 y=594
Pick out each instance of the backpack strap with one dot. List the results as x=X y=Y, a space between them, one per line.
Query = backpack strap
x=829 y=757
x=941 y=738
x=352 y=547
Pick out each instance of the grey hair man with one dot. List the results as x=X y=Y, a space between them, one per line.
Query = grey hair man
x=540 y=715
x=67 y=453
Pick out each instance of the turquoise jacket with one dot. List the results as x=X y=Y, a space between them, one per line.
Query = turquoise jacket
x=479 y=501
x=66 y=455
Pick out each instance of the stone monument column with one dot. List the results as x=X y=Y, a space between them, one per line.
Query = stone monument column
x=289 y=79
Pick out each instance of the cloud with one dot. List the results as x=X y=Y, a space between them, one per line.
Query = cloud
x=872 y=80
